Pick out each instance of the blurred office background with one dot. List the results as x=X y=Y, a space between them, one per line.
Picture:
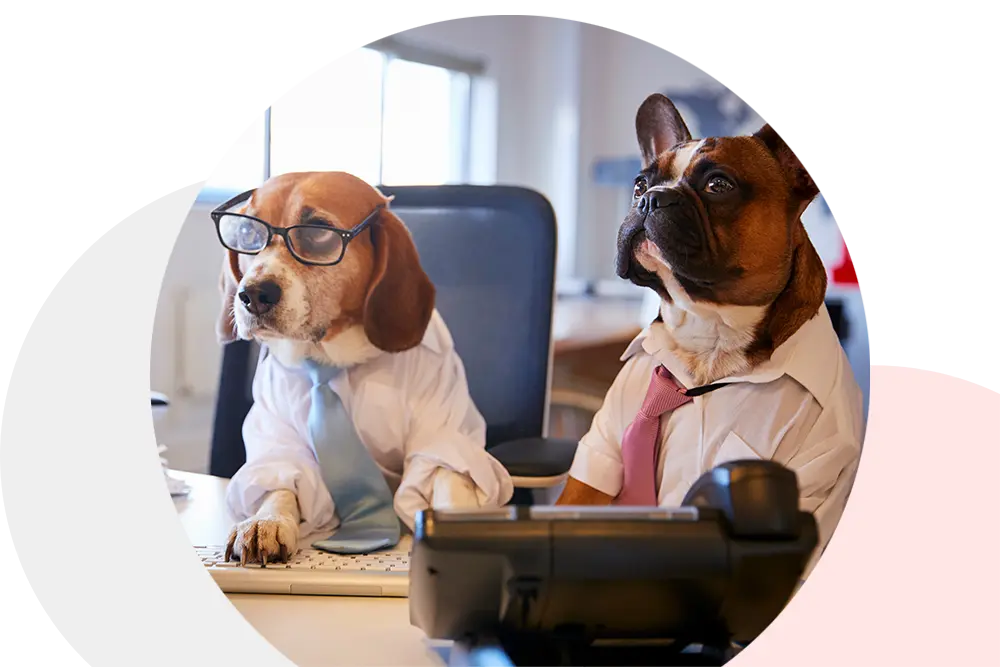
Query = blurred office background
x=517 y=100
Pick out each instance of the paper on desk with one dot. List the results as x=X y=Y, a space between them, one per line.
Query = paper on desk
x=177 y=487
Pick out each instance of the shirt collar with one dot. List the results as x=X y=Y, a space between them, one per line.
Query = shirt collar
x=805 y=357
x=436 y=339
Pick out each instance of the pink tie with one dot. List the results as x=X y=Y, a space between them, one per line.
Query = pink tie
x=639 y=442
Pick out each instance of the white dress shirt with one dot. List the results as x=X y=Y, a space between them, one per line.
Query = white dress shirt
x=802 y=409
x=412 y=410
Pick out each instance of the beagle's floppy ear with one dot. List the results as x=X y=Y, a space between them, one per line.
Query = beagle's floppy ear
x=400 y=298
x=803 y=188
x=225 y=328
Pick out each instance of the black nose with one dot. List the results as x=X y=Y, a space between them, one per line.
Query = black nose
x=260 y=297
x=653 y=200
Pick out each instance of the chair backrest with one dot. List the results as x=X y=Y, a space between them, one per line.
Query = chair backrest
x=490 y=251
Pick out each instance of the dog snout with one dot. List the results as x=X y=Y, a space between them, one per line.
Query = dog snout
x=657 y=199
x=260 y=297
x=670 y=219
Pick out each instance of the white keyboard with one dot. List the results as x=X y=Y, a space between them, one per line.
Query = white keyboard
x=314 y=572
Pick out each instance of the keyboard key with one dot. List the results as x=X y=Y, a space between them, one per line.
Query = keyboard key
x=313 y=559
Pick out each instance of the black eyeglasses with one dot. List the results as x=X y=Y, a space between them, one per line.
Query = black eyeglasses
x=316 y=244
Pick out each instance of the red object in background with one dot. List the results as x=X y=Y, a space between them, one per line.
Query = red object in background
x=844 y=274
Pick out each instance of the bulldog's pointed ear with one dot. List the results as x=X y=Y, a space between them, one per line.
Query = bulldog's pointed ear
x=801 y=183
x=658 y=127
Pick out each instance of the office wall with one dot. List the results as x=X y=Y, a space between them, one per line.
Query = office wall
x=184 y=355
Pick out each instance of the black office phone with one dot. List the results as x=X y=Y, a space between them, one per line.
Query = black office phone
x=616 y=585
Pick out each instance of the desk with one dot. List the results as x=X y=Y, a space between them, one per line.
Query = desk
x=579 y=323
x=589 y=336
x=309 y=630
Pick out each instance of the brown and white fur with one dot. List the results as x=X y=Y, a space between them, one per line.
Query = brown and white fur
x=377 y=300
x=715 y=229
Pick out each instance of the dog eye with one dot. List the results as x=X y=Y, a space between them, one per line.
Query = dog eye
x=317 y=244
x=250 y=235
x=719 y=185
x=640 y=187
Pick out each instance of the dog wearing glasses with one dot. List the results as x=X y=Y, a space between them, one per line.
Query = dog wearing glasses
x=317 y=267
x=715 y=230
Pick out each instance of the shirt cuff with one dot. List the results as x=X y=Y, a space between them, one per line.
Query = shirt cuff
x=253 y=481
x=493 y=484
x=597 y=470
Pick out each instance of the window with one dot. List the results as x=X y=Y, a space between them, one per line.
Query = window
x=424 y=124
x=389 y=114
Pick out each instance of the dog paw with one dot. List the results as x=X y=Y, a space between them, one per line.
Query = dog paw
x=262 y=540
x=454 y=490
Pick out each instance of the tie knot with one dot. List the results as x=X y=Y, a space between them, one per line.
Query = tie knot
x=663 y=395
x=321 y=374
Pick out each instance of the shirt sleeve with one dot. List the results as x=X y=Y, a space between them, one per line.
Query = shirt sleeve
x=825 y=466
x=279 y=456
x=446 y=432
x=598 y=459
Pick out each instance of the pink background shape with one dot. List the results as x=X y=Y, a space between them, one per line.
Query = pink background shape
x=911 y=576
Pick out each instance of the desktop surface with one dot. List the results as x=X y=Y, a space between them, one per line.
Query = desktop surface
x=310 y=630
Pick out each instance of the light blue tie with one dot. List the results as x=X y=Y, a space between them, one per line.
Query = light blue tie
x=361 y=496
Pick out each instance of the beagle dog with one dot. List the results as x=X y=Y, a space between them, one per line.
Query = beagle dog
x=319 y=268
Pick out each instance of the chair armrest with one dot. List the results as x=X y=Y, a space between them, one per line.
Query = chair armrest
x=536 y=462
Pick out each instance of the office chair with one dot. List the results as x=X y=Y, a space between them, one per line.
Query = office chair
x=490 y=252
x=841 y=325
